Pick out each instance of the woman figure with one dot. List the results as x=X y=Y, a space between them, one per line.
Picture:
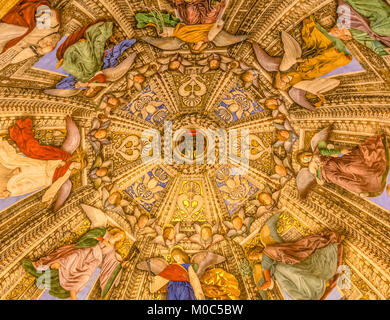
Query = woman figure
x=71 y=267
x=179 y=277
x=39 y=166
x=89 y=56
x=305 y=269
x=330 y=54
x=368 y=22
x=360 y=170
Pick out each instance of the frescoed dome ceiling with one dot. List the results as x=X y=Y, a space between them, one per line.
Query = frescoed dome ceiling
x=203 y=92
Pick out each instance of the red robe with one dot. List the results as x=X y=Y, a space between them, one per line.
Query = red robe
x=23 y=135
x=175 y=272
x=23 y=14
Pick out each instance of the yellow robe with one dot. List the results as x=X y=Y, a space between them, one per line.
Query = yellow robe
x=192 y=33
x=328 y=58
x=220 y=285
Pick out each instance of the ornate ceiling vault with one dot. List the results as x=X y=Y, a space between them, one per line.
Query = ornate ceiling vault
x=141 y=135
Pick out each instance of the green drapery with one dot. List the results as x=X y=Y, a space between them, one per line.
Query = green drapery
x=50 y=278
x=85 y=58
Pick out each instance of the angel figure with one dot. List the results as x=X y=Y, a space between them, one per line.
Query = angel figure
x=101 y=172
x=112 y=199
x=111 y=102
x=198 y=22
x=362 y=170
x=169 y=235
x=330 y=52
x=91 y=58
x=286 y=136
x=279 y=110
x=313 y=260
x=141 y=223
x=283 y=170
x=97 y=137
x=206 y=235
x=238 y=226
x=368 y=24
x=39 y=166
x=266 y=201
x=31 y=28
x=180 y=278
x=68 y=269
x=174 y=62
x=217 y=61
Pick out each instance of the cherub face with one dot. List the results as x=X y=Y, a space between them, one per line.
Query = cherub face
x=142 y=221
x=115 y=198
x=265 y=199
x=283 y=135
x=237 y=222
x=248 y=76
x=174 y=65
x=280 y=170
x=139 y=78
x=206 y=233
x=113 y=102
x=271 y=104
x=100 y=134
x=169 y=233
x=284 y=83
x=101 y=172
x=214 y=64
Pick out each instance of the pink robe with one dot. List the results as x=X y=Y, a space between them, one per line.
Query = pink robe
x=77 y=265
x=359 y=171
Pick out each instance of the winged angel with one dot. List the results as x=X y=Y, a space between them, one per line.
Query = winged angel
x=197 y=22
x=182 y=275
x=169 y=235
x=286 y=136
x=68 y=269
x=40 y=166
x=238 y=226
x=141 y=223
x=361 y=170
x=206 y=235
x=331 y=54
